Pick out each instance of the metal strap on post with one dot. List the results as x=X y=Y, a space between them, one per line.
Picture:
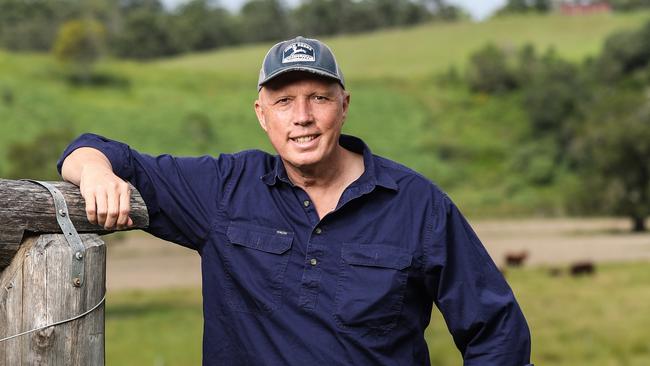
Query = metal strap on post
x=69 y=231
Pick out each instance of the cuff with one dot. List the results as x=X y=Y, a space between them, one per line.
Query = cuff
x=116 y=152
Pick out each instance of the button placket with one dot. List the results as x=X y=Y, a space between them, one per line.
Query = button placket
x=306 y=203
x=311 y=277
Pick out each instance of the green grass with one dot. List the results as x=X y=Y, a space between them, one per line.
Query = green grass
x=463 y=142
x=591 y=321
x=154 y=328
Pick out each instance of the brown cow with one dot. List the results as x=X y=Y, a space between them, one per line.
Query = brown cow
x=587 y=268
x=516 y=259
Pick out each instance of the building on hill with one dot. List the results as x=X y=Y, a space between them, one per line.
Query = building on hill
x=578 y=7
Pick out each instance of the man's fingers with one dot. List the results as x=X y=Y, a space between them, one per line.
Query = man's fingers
x=125 y=206
x=102 y=207
x=91 y=209
x=107 y=196
x=113 y=207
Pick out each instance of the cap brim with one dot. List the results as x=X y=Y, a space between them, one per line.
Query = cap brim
x=312 y=70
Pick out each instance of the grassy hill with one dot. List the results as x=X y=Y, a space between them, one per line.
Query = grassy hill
x=421 y=51
x=462 y=141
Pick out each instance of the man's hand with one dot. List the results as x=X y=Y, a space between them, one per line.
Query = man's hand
x=107 y=196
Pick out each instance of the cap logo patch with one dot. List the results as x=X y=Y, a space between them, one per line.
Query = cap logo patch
x=298 y=52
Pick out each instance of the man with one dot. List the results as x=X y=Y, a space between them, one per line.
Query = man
x=322 y=255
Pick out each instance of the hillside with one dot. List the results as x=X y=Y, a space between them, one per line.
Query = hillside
x=202 y=103
x=420 y=51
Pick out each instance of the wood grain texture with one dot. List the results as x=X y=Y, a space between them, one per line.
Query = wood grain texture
x=29 y=207
x=36 y=290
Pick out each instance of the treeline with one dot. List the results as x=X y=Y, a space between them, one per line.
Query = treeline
x=145 y=28
x=589 y=120
x=544 y=6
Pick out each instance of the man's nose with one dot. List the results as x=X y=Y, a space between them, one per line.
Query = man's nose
x=303 y=112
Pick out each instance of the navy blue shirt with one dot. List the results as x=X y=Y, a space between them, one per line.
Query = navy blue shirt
x=283 y=287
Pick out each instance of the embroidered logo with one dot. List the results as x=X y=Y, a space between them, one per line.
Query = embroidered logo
x=298 y=52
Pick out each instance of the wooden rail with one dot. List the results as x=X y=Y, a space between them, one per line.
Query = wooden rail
x=28 y=207
x=36 y=284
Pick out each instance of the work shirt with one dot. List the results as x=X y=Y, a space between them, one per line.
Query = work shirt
x=283 y=287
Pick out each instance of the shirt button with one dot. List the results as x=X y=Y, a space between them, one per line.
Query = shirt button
x=305 y=203
x=313 y=261
x=318 y=230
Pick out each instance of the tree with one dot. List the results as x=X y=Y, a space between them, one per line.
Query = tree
x=32 y=25
x=553 y=95
x=320 y=17
x=201 y=25
x=145 y=34
x=627 y=5
x=623 y=54
x=613 y=152
x=264 y=20
x=79 y=44
x=489 y=71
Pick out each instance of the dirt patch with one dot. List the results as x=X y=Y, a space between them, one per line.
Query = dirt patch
x=141 y=261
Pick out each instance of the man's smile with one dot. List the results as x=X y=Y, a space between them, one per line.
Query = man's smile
x=304 y=139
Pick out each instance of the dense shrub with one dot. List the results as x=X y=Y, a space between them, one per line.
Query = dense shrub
x=80 y=42
x=552 y=99
x=624 y=53
x=489 y=71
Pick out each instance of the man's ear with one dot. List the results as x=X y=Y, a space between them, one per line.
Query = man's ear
x=259 y=111
x=346 y=104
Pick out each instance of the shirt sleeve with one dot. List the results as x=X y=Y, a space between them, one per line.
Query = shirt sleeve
x=479 y=307
x=181 y=193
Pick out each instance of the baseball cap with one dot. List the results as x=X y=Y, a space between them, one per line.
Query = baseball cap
x=299 y=54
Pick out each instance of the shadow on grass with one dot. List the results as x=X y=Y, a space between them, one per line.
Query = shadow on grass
x=137 y=304
x=126 y=311
x=98 y=80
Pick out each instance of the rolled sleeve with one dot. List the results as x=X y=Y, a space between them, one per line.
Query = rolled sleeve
x=479 y=307
x=181 y=193
x=116 y=152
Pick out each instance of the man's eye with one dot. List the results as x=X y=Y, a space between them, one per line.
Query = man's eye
x=282 y=101
x=320 y=98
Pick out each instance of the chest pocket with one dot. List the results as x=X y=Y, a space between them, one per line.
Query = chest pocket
x=256 y=261
x=371 y=287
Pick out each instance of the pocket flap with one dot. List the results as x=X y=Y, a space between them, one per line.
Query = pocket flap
x=259 y=238
x=376 y=255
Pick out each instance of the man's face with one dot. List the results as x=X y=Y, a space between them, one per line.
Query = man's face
x=303 y=114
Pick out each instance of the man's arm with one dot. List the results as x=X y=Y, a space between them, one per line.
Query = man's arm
x=479 y=307
x=107 y=196
x=181 y=193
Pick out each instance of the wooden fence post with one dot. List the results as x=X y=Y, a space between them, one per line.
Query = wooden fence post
x=37 y=288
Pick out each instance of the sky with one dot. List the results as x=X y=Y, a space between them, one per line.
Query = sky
x=478 y=9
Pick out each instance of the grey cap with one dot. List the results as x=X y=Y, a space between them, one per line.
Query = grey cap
x=299 y=54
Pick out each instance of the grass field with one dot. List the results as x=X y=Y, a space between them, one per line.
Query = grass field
x=397 y=107
x=590 y=321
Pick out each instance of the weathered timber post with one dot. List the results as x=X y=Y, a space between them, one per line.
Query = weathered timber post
x=39 y=277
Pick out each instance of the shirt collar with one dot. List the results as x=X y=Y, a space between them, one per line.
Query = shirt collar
x=374 y=173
